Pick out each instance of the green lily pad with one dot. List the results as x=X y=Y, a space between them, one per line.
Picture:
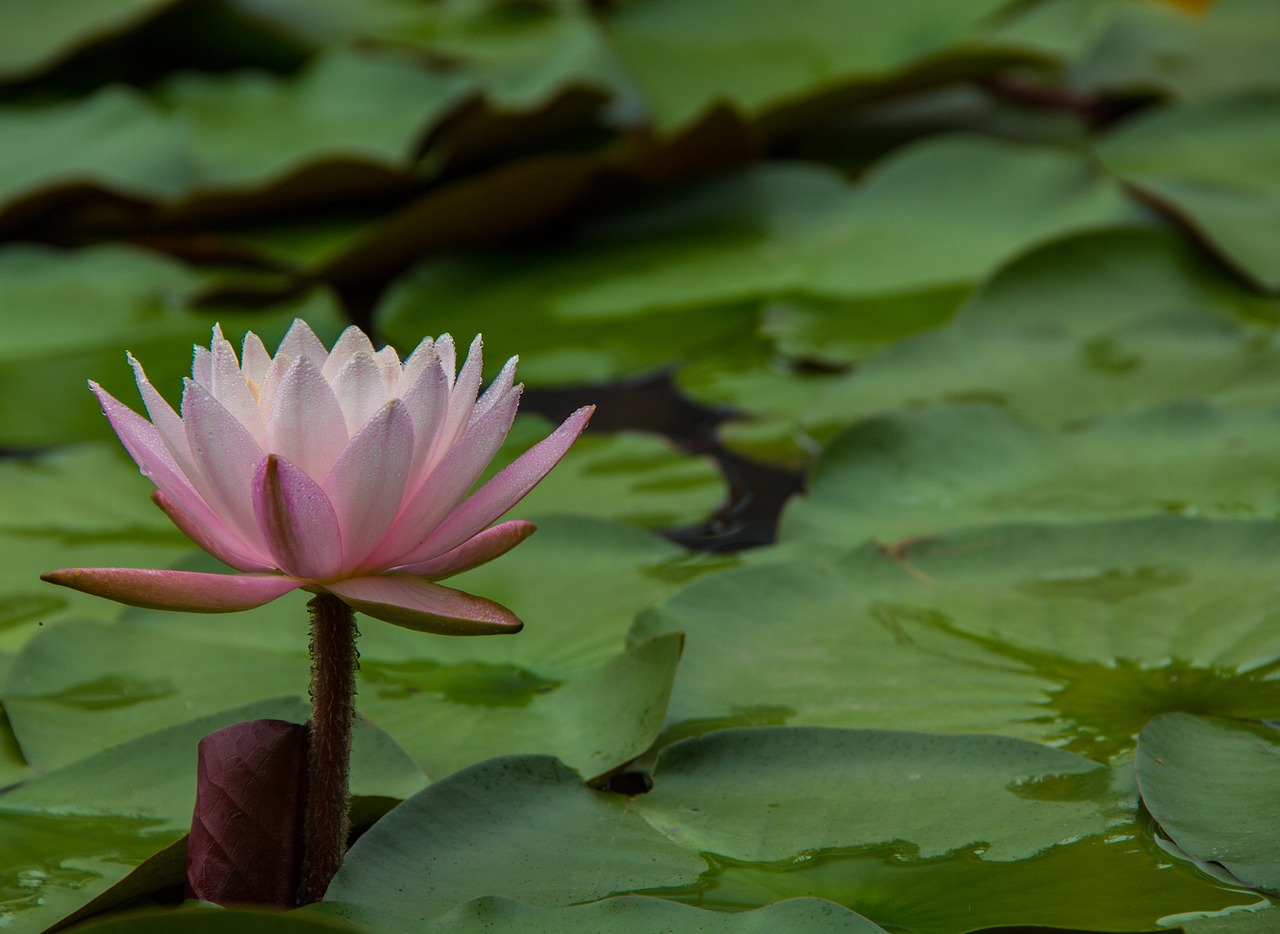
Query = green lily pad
x=638 y=915
x=1228 y=47
x=101 y=831
x=1072 y=635
x=251 y=130
x=1213 y=163
x=38 y=34
x=73 y=316
x=907 y=474
x=1050 y=377
x=1008 y=814
x=217 y=920
x=113 y=140
x=78 y=687
x=85 y=505
x=691 y=55
x=628 y=477
x=1210 y=784
x=675 y=280
x=1059 y=334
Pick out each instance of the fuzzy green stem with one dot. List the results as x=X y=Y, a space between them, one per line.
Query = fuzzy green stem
x=334 y=661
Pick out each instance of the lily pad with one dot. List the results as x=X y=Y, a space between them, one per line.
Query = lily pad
x=691 y=55
x=73 y=317
x=561 y=843
x=629 y=476
x=674 y=280
x=1213 y=163
x=906 y=474
x=1073 y=635
x=37 y=35
x=101 y=831
x=250 y=129
x=1209 y=783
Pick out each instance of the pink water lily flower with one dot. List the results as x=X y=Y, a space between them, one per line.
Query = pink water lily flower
x=344 y=472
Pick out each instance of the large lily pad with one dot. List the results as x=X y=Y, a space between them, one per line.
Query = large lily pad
x=562 y=843
x=1073 y=635
x=664 y=282
x=691 y=55
x=249 y=129
x=71 y=317
x=1213 y=163
x=39 y=34
x=907 y=474
x=1210 y=783
x=629 y=477
x=103 y=830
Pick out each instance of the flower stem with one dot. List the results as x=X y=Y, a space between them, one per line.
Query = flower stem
x=334 y=661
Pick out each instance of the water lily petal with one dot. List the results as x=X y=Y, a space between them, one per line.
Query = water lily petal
x=426 y=401
x=423 y=355
x=480 y=549
x=366 y=482
x=448 y=355
x=229 y=387
x=503 y=491
x=254 y=361
x=360 y=390
x=497 y=389
x=211 y=534
x=226 y=456
x=351 y=342
x=462 y=398
x=301 y=341
x=297 y=520
x=445 y=486
x=306 y=425
x=190 y=591
x=426 y=607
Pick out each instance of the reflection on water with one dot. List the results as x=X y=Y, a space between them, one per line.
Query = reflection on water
x=1112 y=883
x=45 y=856
x=477 y=684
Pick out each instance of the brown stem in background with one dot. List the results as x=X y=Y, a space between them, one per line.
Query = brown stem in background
x=333 y=708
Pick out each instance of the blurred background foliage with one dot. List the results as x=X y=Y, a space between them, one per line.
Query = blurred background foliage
x=984 y=292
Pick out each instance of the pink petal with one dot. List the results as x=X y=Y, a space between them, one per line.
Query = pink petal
x=503 y=491
x=229 y=387
x=202 y=366
x=426 y=400
x=462 y=398
x=416 y=363
x=360 y=390
x=212 y=535
x=167 y=422
x=254 y=359
x=445 y=486
x=489 y=544
x=426 y=607
x=367 y=481
x=306 y=426
x=301 y=341
x=352 y=341
x=227 y=457
x=297 y=520
x=497 y=389
x=148 y=449
x=448 y=355
x=188 y=591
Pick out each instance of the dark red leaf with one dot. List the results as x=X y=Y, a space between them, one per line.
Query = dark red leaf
x=246 y=833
